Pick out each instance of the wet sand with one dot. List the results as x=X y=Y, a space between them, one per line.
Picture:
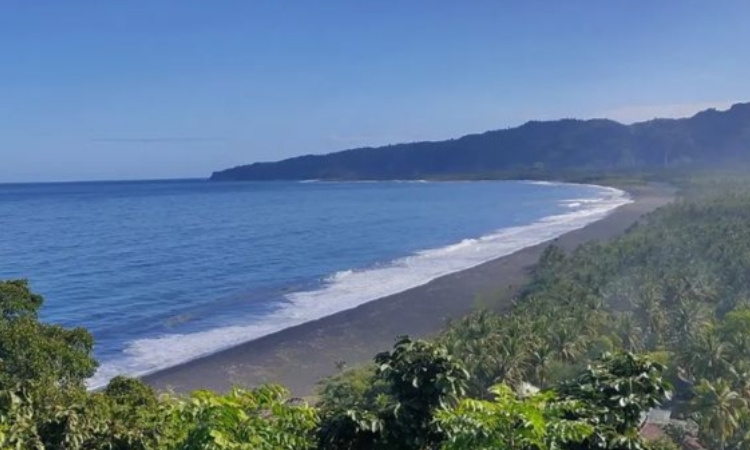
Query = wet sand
x=300 y=356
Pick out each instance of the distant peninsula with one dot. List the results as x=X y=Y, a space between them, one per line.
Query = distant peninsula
x=710 y=138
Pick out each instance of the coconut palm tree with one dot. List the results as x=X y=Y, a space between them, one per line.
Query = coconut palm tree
x=735 y=329
x=511 y=353
x=689 y=316
x=718 y=410
x=707 y=356
x=630 y=331
x=714 y=357
x=540 y=359
x=567 y=341
x=653 y=315
x=472 y=339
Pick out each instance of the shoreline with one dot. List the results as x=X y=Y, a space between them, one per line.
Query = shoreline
x=299 y=356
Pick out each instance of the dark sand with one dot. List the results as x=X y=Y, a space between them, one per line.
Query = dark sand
x=300 y=356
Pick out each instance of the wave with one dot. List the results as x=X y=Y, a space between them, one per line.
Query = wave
x=351 y=288
x=544 y=183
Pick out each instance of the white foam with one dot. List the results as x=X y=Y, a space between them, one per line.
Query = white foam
x=349 y=289
x=545 y=183
x=338 y=276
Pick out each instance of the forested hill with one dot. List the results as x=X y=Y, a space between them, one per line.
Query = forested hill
x=710 y=138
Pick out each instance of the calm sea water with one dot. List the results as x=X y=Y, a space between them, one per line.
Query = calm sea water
x=164 y=272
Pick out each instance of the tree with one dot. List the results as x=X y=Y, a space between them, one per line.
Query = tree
x=617 y=390
x=422 y=378
x=735 y=330
x=706 y=355
x=718 y=410
x=351 y=406
x=541 y=358
x=509 y=354
x=259 y=419
x=130 y=391
x=32 y=351
x=536 y=422
x=689 y=316
x=419 y=379
x=629 y=331
x=650 y=310
x=567 y=341
x=473 y=339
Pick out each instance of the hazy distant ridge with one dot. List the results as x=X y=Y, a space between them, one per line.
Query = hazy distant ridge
x=710 y=138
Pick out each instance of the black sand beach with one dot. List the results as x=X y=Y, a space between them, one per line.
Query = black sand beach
x=300 y=356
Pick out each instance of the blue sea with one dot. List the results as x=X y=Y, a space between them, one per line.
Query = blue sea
x=164 y=272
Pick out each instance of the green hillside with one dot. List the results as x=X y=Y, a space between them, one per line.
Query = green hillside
x=709 y=139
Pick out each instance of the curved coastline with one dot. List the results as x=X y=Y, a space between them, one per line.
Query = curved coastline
x=300 y=355
x=349 y=289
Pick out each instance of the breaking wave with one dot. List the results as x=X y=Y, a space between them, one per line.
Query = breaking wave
x=351 y=288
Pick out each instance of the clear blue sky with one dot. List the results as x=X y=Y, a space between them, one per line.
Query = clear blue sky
x=158 y=89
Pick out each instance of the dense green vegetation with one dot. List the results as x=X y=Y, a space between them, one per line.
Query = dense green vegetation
x=414 y=399
x=657 y=316
x=534 y=150
x=675 y=287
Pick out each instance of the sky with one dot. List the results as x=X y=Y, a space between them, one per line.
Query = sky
x=143 y=89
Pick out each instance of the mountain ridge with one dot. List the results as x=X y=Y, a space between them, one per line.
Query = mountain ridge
x=708 y=138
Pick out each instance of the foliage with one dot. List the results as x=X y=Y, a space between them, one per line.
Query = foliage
x=416 y=379
x=616 y=392
x=264 y=418
x=30 y=350
x=73 y=420
x=130 y=391
x=260 y=419
x=512 y=422
x=663 y=444
x=720 y=412
x=675 y=286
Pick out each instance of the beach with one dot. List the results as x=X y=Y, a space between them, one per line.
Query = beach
x=300 y=356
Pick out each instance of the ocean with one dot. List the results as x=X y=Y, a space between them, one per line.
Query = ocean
x=164 y=272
